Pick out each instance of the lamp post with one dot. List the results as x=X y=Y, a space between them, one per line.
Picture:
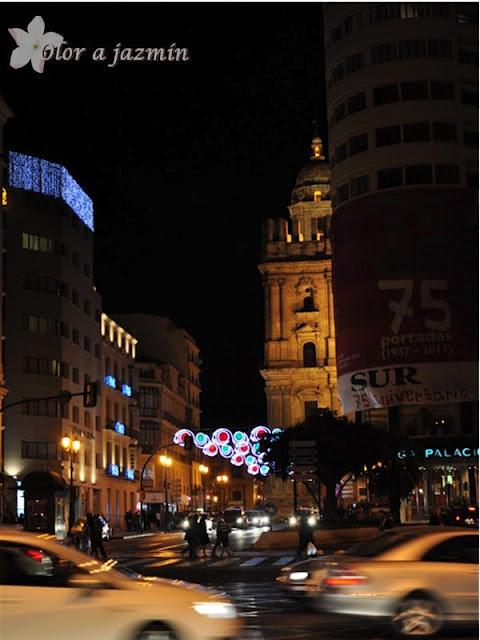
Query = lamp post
x=72 y=446
x=166 y=462
x=222 y=481
x=203 y=470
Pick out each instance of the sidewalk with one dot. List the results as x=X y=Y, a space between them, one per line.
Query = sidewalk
x=118 y=535
x=272 y=540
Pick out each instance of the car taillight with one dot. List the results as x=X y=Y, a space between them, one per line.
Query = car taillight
x=344 y=578
x=457 y=518
x=34 y=555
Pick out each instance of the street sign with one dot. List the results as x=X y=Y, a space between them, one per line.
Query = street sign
x=303 y=457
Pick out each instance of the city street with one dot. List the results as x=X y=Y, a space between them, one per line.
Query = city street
x=249 y=579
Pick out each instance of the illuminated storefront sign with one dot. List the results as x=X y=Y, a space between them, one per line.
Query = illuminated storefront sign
x=440 y=453
x=239 y=447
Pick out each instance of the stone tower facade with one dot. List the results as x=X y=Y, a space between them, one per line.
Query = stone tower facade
x=299 y=364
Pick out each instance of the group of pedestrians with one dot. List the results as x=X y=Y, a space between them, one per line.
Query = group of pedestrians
x=198 y=539
x=91 y=536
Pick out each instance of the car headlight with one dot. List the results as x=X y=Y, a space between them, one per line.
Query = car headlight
x=298 y=575
x=215 y=609
x=312 y=521
x=239 y=521
x=266 y=521
x=185 y=524
x=292 y=521
x=255 y=520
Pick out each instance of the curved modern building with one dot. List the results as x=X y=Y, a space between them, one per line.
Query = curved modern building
x=402 y=105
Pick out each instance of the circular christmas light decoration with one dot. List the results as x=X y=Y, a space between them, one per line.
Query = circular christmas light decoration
x=276 y=430
x=264 y=470
x=256 y=447
x=201 y=440
x=253 y=469
x=226 y=451
x=239 y=437
x=210 y=449
x=243 y=448
x=237 y=459
x=179 y=437
x=249 y=460
x=222 y=436
x=258 y=433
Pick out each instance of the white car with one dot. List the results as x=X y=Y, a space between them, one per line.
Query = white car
x=49 y=592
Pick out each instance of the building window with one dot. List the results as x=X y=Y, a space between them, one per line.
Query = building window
x=40 y=243
x=416 y=132
x=342 y=193
x=317 y=196
x=39 y=450
x=418 y=174
x=75 y=259
x=97 y=351
x=87 y=421
x=149 y=401
x=86 y=270
x=469 y=96
x=387 y=135
x=388 y=178
x=76 y=414
x=341 y=153
x=308 y=303
x=356 y=103
x=86 y=307
x=75 y=298
x=34 y=282
x=359 y=186
x=414 y=90
x=75 y=375
x=86 y=344
x=386 y=94
x=339 y=113
x=310 y=406
x=309 y=355
x=470 y=138
x=354 y=63
x=447 y=174
x=471 y=178
x=384 y=53
x=42 y=324
x=466 y=12
x=48 y=408
x=440 y=90
x=468 y=56
x=444 y=131
x=45 y=366
x=75 y=336
x=411 y=49
x=337 y=74
x=357 y=144
x=149 y=434
x=440 y=48
x=381 y=12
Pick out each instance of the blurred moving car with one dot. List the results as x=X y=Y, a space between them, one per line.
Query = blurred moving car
x=258 y=518
x=235 y=517
x=416 y=578
x=311 y=516
x=50 y=592
x=187 y=520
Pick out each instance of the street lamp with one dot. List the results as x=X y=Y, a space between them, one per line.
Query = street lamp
x=222 y=481
x=166 y=462
x=203 y=470
x=72 y=446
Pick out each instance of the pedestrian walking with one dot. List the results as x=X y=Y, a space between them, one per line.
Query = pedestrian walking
x=204 y=538
x=192 y=537
x=129 y=520
x=305 y=537
x=95 y=527
x=223 y=533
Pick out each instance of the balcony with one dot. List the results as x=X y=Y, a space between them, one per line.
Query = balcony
x=124 y=388
x=122 y=473
x=122 y=429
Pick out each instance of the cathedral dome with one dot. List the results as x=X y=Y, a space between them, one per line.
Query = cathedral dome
x=313 y=180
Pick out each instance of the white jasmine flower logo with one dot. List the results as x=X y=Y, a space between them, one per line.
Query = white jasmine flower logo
x=31 y=44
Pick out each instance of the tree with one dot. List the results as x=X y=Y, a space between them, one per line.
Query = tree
x=343 y=447
x=394 y=479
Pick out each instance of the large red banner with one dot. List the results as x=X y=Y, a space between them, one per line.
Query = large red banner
x=405 y=290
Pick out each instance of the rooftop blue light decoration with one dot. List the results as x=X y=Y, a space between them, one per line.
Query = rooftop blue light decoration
x=50 y=179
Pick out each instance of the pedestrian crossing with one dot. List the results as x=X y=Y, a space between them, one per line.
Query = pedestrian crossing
x=233 y=562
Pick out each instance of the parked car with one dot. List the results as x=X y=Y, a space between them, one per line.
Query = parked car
x=416 y=578
x=47 y=588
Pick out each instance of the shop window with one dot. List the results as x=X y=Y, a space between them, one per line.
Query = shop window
x=387 y=135
x=309 y=355
x=418 y=174
x=416 y=132
x=388 y=178
x=386 y=94
x=440 y=90
x=447 y=174
x=414 y=90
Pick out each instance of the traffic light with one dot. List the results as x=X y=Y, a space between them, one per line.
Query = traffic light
x=90 y=391
x=187 y=443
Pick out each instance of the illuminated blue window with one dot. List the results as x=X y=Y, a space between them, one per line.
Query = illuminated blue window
x=120 y=428
x=110 y=382
x=113 y=470
x=50 y=179
x=130 y=474
x=126 y=390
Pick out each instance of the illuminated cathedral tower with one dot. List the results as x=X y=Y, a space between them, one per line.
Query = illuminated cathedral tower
x=299 y=367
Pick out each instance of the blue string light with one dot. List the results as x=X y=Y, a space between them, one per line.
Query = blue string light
x=50 y=179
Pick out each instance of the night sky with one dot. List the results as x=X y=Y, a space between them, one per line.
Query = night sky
x=182 y=160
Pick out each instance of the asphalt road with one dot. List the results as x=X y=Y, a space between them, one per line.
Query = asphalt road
x=249 y=579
